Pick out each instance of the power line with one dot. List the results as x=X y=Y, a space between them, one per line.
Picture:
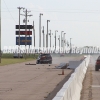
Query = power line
x=60 y=20
x=60 y=11
x=9 y=12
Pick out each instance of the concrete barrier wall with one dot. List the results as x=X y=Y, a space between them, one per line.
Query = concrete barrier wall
x=72 y=88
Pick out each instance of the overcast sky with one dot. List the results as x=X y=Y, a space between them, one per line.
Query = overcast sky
x=79 y=19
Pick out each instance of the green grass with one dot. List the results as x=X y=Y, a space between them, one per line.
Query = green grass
x=9 y=55
x=7 y=58
x=7 y=61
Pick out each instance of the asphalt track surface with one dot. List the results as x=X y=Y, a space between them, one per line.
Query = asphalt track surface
x=95 y=79
x=33 y=82
x=91 y=84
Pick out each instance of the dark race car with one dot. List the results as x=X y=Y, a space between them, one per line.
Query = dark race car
x=44 y=58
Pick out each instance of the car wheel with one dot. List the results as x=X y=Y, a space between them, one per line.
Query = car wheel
x=38 y=62
x=50 y=62
x=96 y=69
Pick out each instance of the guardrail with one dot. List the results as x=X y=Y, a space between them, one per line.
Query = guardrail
x=72 y=88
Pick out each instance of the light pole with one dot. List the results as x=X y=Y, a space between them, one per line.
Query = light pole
x=55 y=39
x=64 y=41
x=19 y=27
x=47 y=34
x=50 y=38
x=43 y=37
x=70 y=46
x=40 y=29
x=61 y=38
x=34 y=35
x=59 y=43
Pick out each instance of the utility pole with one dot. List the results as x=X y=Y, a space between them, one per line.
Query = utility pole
x=47 y=34
x=0 y=31
x=19 y=28
x=26 y=15
x=40 y=30
x=55 y=39
x=26 y=33
x=29 y=45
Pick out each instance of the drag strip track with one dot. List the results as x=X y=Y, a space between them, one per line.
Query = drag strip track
x=95 y=79
x=96 y=74
x=32 y=82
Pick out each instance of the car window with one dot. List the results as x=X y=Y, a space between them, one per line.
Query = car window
x=49 y=55
x=46 y=55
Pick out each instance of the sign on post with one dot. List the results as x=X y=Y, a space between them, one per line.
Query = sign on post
x=24 y=26
x=24 y=33
x=28 y=40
